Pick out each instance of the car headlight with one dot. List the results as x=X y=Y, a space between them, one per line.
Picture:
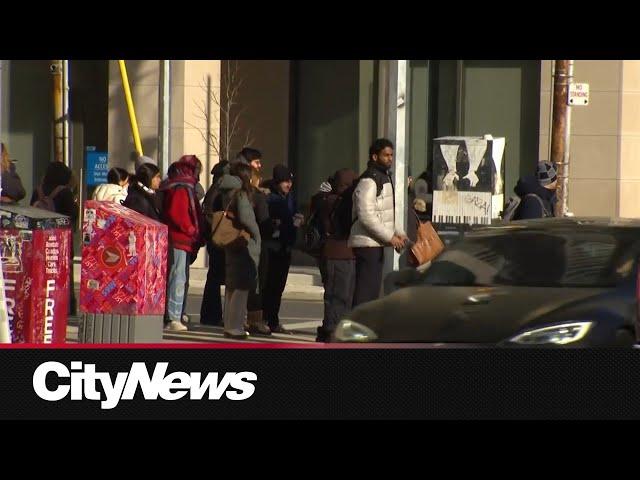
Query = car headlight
x=350 y=331
x=560 y=334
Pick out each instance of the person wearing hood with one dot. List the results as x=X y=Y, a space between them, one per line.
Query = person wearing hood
x=241 y=263
x=537 y=193
x=116 y=188
x=337 y=257
x=211 y=307
x=12 y=188
x=374 y=222
x=141 y=194
x=183 y=215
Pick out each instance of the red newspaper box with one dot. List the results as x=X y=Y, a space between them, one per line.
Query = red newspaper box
x=35 y=251
x=124 y=261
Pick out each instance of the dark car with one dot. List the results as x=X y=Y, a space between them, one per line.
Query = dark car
x=552 y=282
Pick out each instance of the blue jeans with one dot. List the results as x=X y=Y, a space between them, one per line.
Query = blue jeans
x=176 y=283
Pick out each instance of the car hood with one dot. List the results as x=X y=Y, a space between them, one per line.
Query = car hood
x=464 y=314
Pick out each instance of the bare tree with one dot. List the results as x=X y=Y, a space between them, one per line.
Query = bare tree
x=226 y=113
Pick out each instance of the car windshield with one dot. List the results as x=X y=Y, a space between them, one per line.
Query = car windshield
x=536 y=259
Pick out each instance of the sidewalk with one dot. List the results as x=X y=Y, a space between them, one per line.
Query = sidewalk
x=303 y=283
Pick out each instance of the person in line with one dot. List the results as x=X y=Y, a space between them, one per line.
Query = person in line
x=12 y=188
x=241 y=262
x=183 y=215
x=141 y=194
x=255 y=315
x=57 y=188
x=374 y=219
x=115 y=190
x=285 y=221
x=337 y=257
x=211 y=308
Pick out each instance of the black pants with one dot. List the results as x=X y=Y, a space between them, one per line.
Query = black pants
x=211 y=309
x=340 y=278
x=322 y=266
x=369 y=266
x=278 y=264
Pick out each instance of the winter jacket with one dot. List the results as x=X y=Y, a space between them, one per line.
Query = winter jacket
x=110 y=192
x=186 y=227
x=12 y=184
x=282 y=208
x=261 y=210
x=142 y=202
x=335 y=246
x=530 y=206
x=213 y=203
x=373 y=210
x=241 y=265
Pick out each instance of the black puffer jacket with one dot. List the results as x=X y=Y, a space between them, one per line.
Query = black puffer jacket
x=142 y=202
x=528 y=188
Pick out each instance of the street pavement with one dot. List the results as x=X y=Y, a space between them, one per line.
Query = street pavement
x=300 y=314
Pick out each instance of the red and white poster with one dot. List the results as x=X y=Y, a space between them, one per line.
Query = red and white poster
x=124 y=261
x=34 y=250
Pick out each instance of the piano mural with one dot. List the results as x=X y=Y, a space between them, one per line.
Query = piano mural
x=468 y=180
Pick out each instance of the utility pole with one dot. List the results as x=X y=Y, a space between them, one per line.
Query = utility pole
x=165 y=115
x=561 y=131
x=56 y=69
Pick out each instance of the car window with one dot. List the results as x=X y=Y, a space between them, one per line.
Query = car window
x=535 y=258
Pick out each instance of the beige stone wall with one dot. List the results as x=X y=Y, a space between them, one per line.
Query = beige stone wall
x=144 y=79
x=198 y=76
x=629 y=140
x=595 y=182
x=188 y=92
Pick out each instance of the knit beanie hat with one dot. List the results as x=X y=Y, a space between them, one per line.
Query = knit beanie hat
x=546 y=173
x=282 y=173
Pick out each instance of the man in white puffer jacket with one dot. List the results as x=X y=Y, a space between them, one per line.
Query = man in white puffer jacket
x=116 y=189
x=373 y=218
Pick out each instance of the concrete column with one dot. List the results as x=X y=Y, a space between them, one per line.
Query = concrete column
x=144 y=79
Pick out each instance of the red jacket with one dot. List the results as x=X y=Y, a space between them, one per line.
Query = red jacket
x=185 y=227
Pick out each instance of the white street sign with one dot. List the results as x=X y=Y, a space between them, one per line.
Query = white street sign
x=578 y=94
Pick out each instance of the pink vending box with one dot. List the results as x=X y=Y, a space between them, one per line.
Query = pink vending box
x=35 y=251
x=124 y=261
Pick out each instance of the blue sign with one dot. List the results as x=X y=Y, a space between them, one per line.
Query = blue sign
x=97 y=168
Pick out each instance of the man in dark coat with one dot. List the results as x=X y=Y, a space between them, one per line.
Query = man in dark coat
x=337 y=258
x=211 y=308
x=537 y=193
x=285 y=220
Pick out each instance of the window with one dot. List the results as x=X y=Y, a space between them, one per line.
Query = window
x=536 y=259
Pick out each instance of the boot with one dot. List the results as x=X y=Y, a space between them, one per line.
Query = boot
x=256 y=323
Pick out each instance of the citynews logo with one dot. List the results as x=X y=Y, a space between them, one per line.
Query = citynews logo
x=83 y=380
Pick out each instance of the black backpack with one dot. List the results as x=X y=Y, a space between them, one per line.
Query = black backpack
x=314 y=234
x=342 y=213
